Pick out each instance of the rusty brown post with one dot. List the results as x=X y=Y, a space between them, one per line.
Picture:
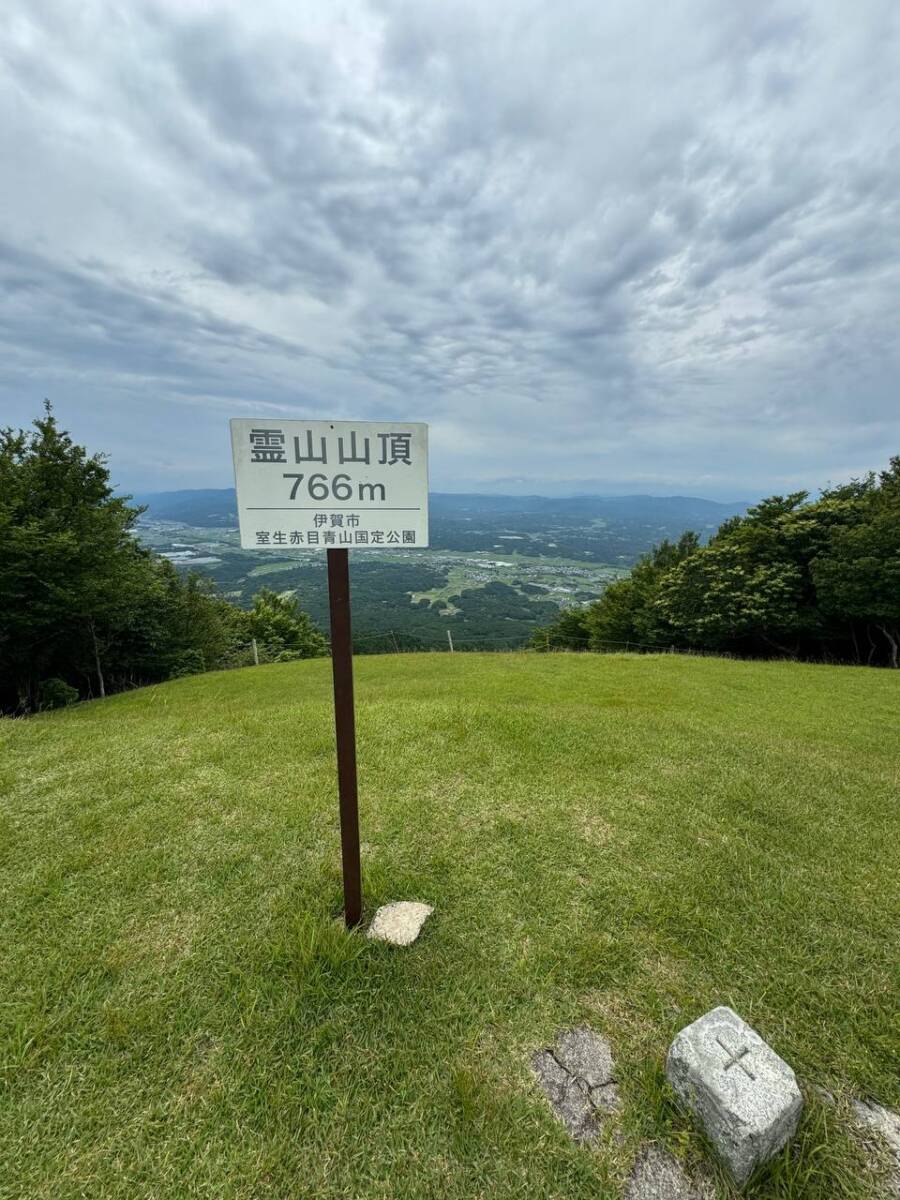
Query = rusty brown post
x=345 y=730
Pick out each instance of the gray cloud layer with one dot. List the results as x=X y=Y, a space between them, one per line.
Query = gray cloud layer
x=624 y=246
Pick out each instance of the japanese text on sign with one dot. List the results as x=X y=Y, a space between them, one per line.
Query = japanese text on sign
x=314 y=484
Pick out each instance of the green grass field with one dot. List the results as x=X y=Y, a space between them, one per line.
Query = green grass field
x=623 y=841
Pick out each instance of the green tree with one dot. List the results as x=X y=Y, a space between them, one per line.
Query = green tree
x=69 y=567
x=181 y=626
x=568 y=632
x=281 y=627
x=82 y=603
x=719 y=596
x=857 y=575
x=627 y=612
x=196 y=621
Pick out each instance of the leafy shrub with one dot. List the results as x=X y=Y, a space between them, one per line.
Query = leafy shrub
x=187 y=662
x=277 y=622
x=56 y=693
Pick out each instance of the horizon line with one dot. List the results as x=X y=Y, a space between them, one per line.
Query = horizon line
x=489 y=495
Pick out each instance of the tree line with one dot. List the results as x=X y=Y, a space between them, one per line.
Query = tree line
x=816 y=580
x=85 y=610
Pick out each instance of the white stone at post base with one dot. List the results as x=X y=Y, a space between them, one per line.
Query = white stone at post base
x=745 y=1097
x=399 y=923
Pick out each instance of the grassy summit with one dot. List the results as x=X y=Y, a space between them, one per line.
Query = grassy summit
x=622 y=841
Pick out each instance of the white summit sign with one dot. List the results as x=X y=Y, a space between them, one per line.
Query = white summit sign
x=320 y=485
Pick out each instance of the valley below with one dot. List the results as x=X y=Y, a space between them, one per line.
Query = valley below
x=498 y=567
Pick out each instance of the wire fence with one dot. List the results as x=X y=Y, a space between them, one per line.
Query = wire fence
x=390 y=641
x=540 y=641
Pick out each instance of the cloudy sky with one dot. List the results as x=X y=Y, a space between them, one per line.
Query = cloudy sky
x=618 y=246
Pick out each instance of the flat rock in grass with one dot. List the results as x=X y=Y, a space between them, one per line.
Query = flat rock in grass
x=744 y=1096
x=658 y=1175
x=399 y=923
x=577 y=1077
x=587 y=1056
x=568 y=1099
x=886 y=1124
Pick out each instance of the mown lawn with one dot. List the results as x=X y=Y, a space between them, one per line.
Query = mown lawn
x=623 y=841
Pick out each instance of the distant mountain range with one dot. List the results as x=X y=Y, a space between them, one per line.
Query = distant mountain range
x=216 y=507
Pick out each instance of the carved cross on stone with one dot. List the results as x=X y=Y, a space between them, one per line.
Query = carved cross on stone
x=745 y=1097
x=735 y=1057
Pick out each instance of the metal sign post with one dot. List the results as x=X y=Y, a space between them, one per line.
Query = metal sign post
x=329 y=485
x=345 y=730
